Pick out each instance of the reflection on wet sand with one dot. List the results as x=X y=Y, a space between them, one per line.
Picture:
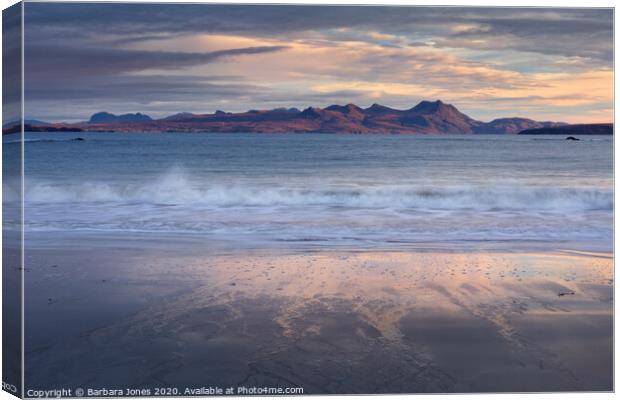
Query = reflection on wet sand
x=358 y=322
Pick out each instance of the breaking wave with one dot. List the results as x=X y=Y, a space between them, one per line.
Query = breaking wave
x=176 y=189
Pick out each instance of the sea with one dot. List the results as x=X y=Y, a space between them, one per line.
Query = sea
x=506 y=192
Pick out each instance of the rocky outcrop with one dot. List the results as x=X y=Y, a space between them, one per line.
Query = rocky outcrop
x=574 y=130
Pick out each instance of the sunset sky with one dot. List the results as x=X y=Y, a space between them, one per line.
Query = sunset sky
x=546 y=64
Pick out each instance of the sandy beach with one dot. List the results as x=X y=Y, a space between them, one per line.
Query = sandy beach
x=327 y=321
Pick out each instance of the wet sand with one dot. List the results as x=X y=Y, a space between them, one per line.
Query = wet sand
x=328 y=321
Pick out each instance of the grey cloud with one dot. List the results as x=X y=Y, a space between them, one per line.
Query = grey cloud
x=418 y=44
x=11 y=63
x=140 y=88
x=537 y=28
x=43 y=62
x=567 y=37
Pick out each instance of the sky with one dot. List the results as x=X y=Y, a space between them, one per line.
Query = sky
x=161 y=59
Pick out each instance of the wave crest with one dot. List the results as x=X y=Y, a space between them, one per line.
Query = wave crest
x=175 y=188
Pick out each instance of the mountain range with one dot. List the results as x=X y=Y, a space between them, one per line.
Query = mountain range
x=427 y=117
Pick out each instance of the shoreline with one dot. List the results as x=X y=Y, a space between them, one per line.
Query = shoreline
x=62 y=239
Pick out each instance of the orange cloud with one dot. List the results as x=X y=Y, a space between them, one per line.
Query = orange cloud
x=313 y=64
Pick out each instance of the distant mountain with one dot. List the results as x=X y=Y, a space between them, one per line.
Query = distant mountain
x=577 y=129
x=283 y=109
x=427 y=117
x=178 y=116
x=514 y=125
x=437 y=116
x=26 y=122
x=107 y=118
x=17 y=128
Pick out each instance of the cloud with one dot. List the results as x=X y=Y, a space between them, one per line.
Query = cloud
x=11 y=71
x=531 y=28
x=69 y=61
x=381 y=36
x=165 y=58
x=86 y=79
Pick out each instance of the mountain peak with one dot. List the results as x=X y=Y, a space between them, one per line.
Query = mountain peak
x=426 y=106
x=344 y=109
x=105 y=117
x=291 y=110
x=378 y=108
x=179 y=116
x=311 y=112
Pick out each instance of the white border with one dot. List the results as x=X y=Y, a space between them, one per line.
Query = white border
x=483 y=3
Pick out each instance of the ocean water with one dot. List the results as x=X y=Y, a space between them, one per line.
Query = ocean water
x=357 y=191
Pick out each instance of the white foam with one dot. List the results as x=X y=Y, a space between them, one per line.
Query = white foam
x=175 y=187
